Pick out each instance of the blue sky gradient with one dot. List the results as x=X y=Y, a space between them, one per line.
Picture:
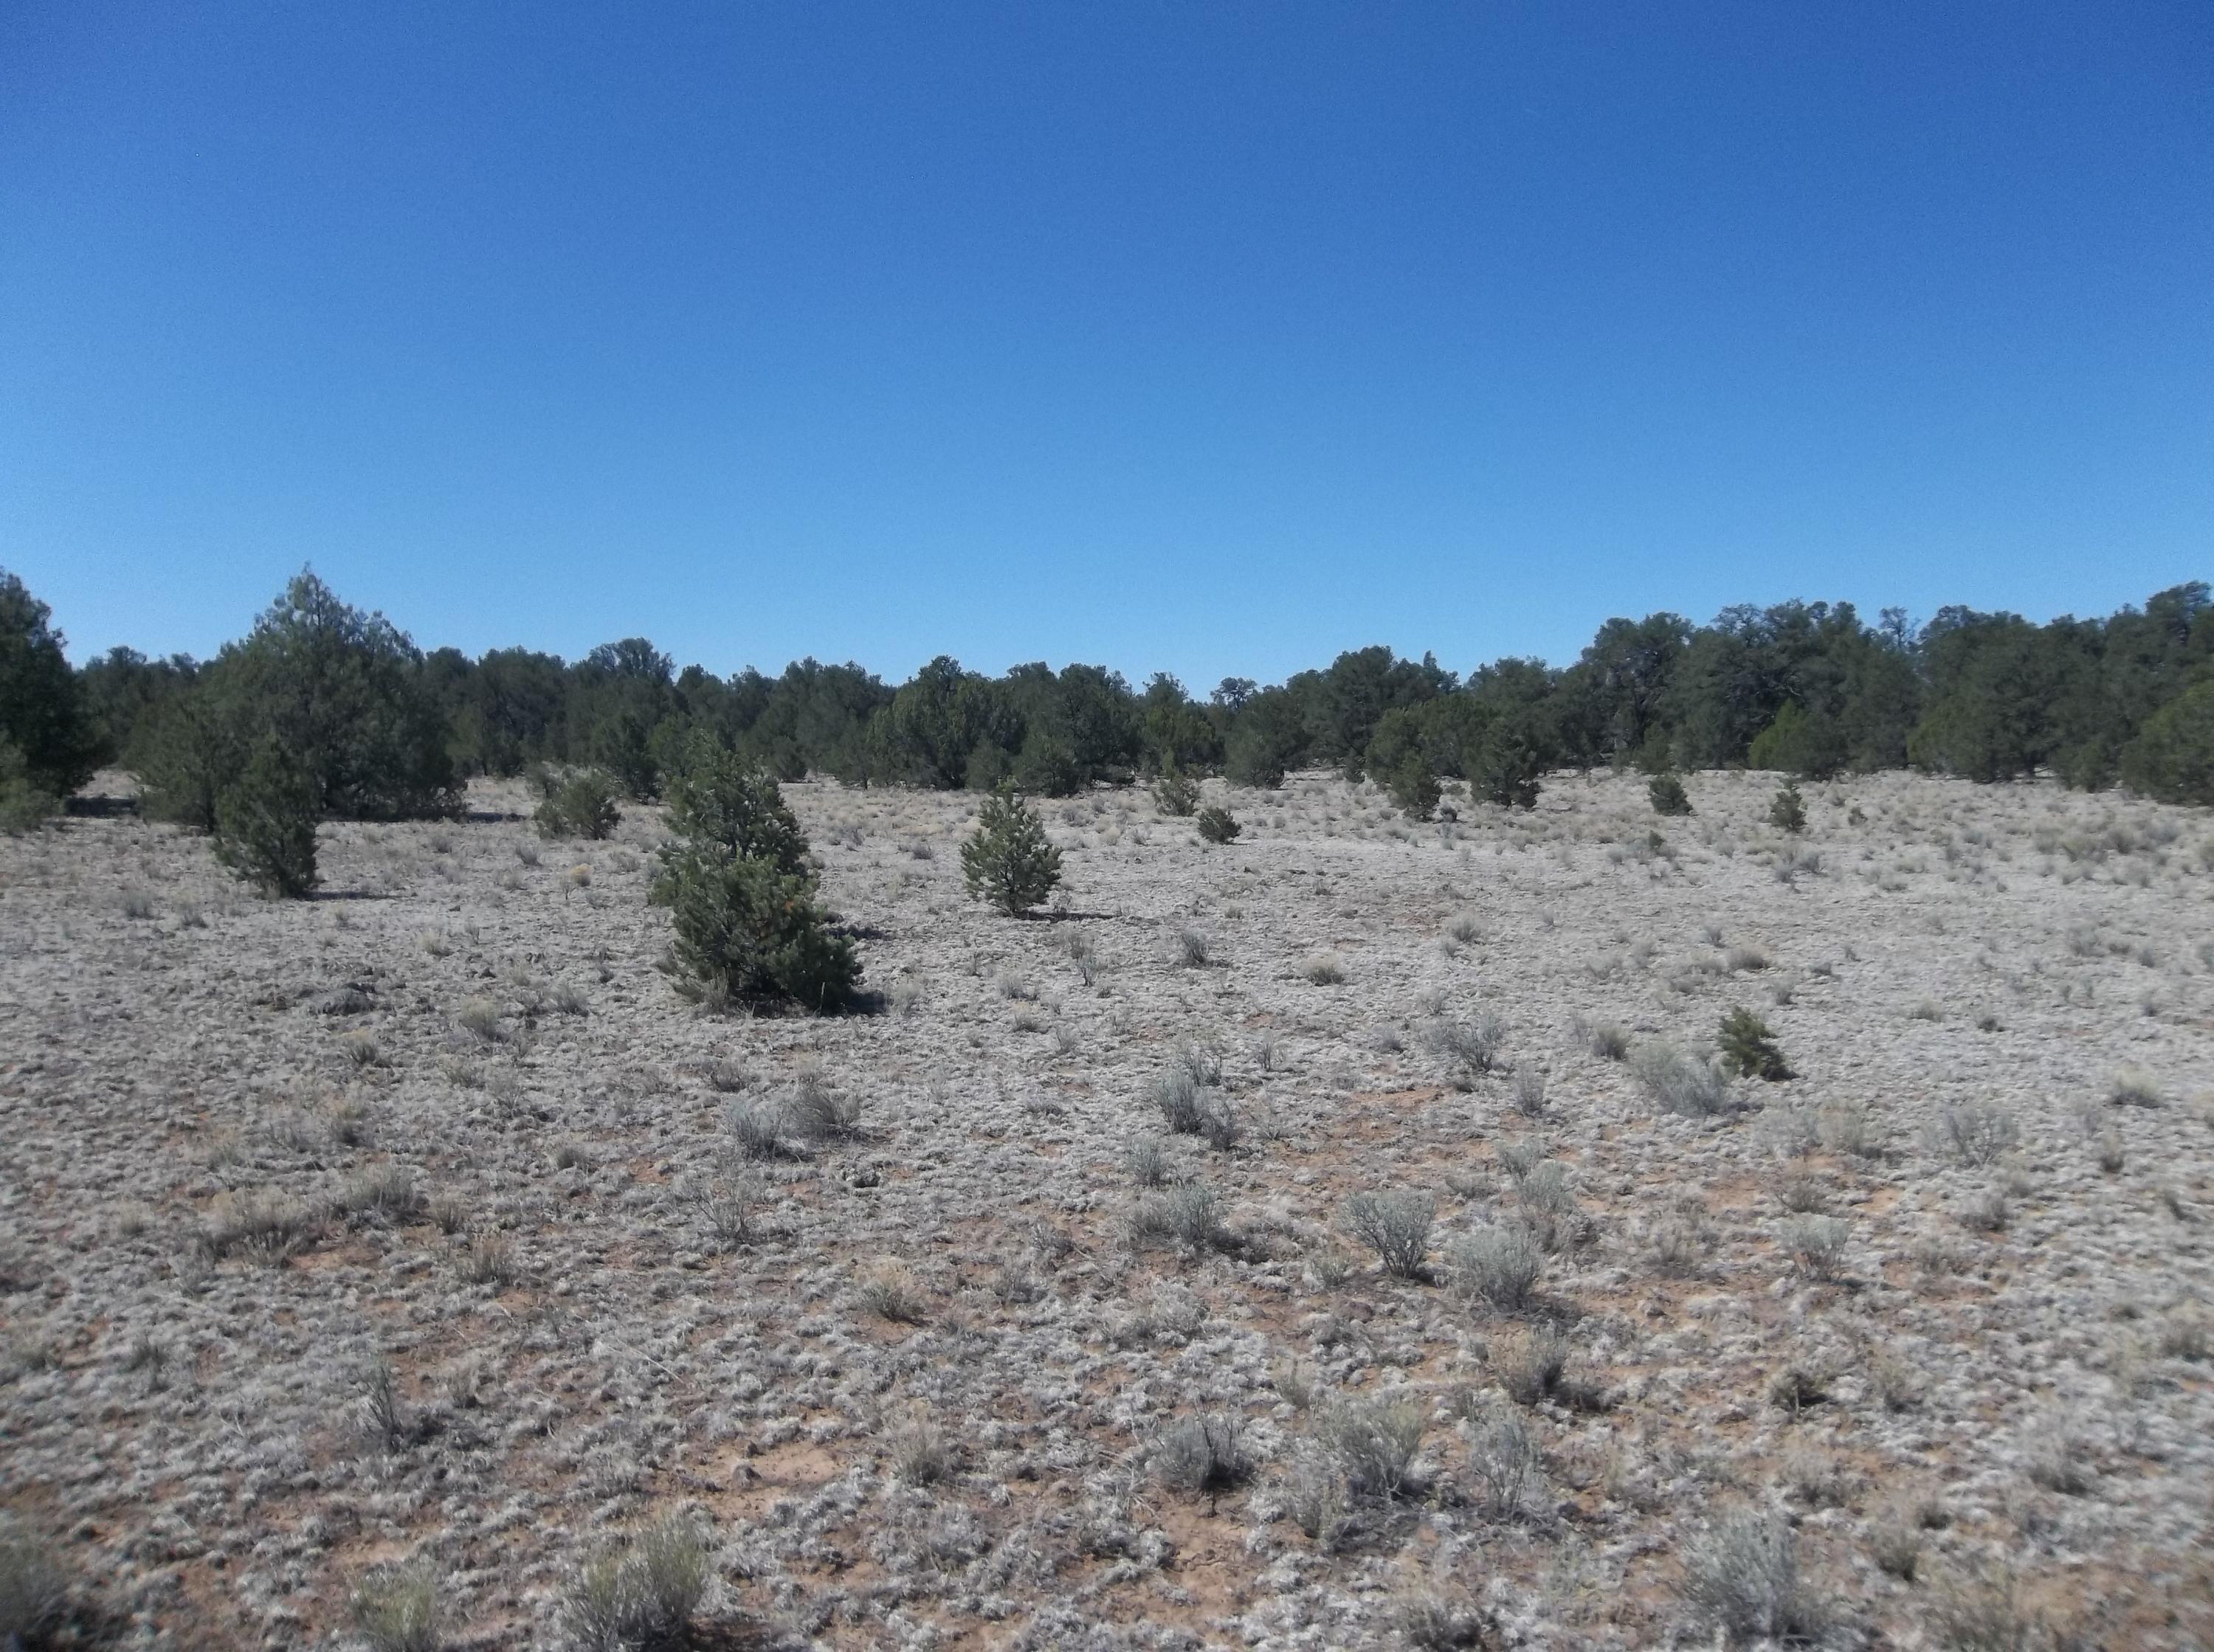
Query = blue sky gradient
x=1212 y=338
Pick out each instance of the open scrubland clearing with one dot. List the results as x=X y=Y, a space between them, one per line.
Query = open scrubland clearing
x=1333 y=1239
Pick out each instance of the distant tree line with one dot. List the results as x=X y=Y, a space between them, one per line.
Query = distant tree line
x=383 y=730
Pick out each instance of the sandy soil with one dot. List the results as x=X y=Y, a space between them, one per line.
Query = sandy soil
x=1939 y=1302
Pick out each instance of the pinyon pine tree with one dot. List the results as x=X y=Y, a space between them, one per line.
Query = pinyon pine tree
x=1008 y=861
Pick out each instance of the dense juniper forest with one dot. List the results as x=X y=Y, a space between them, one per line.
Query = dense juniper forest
x=387 y=731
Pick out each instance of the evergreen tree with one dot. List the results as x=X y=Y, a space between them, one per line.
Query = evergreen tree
x=1007 y=861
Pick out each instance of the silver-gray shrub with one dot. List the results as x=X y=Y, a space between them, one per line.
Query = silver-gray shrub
x=1500 y=1265
x=1972 y=1132
x=1677 y=1084
x=1470 y=1048
x=1396 y=1226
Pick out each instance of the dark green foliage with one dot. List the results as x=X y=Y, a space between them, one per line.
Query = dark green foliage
x=1509 y=765
x=123 y=691
x=1668 y=795
x=1787 y=812
x=265 y=820
x=1216 y=826
x=725 y=801
x=1007 y=861
x=342 y=691
x=1748 y=1048
x=2171 y=758
x=1266 y=739
x=744 y=904
x=576 y=803
x=1047 y=766
x=23 y=804
x=1800 y=742
x=745 y=929
x=42 y=710
x=183 y=752
x=1175 y=792
x=1415 y=789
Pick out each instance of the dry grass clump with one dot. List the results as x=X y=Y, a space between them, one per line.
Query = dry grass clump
x=1323 y=969
x=1190 y=1215
x=889 y=1291
x=1499 y=1265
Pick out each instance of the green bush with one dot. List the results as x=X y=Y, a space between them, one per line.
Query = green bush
x=1217 y=826
x=746 y=929
x=1415 y=789
x=42 y=710
x=2172 y=758
x=182 y=753
x=1800 y=742
x=576 y=803
x=265 y=821
x=1007 y=861
x=748 y=922
x=1507 y=767
x=1668 y=795
x=722 y=799
x=1787 y=812
x=345 y=693
x=1749 y=1049
x=23 y=805
x=1176 y=792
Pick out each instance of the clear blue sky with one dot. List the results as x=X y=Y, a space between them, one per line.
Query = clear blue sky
x=1199 y=336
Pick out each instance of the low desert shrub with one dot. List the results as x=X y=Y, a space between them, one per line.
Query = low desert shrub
x=1189 y=1215
x=1500 y=1265
x=1677 y=1084
x=1217 y=826
x=1007 y=861
x=640 y=1593
x=1815 y=1244
x=397 y=1610
x=1200 y=1455
x=1470 y=1048
x=1396 y=1226
x=576 y=803
x=1741 y=1578
x=1374 y=1442
x=1668 y=796
x=1529 y=1093
x=1978 y=1133
x=1748 y=1048
x=1503 y=1457
x=1176 y=792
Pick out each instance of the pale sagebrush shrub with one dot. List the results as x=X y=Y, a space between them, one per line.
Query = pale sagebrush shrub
x=757 y=1130
x=815 y=1113
x=1500 y=1265
x=1471 y=1049
x=1396 y=1226
x=1200 y=1455
x=641 y=1594
x=1534 y=1366
x=1978 y=1133
x=1148 y=1160
x=1609 y=1040
x=398 y=1611
x=1503 y=1455
x=1190 y=1215
x=1677 y=1084
x=1195 y=947
x=1374 y=1442
x=890 y=1292
x=1323 y=969
x=2133 y=1086
x=1741 y=1578
x=1815 y=1245
x=1529 y=1093
x=919 y=1452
